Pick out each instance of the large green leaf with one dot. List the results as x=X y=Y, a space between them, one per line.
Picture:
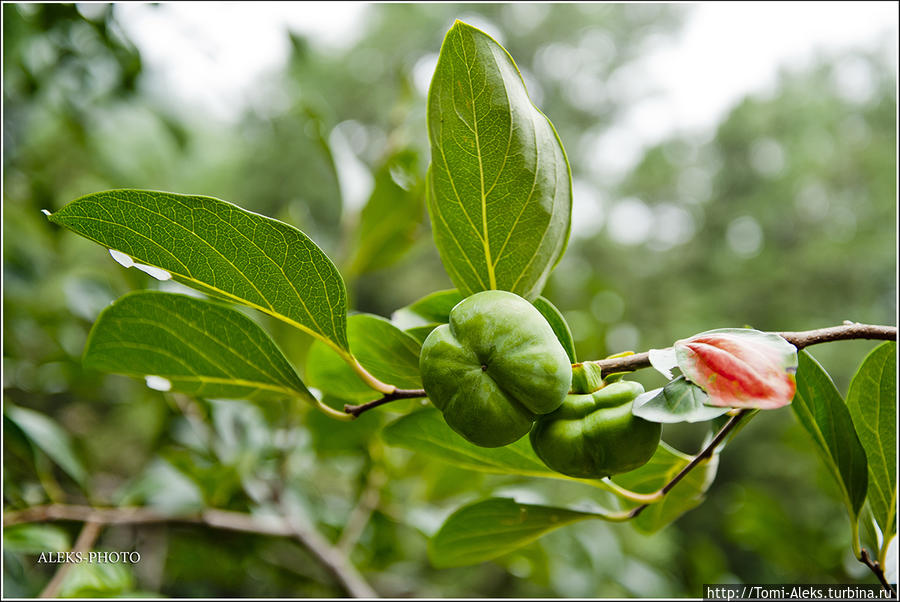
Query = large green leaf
x=494 y=527
x=872 y=401
x=662 y=467
x=499 y=185
x=220 y=248
x=389 y=221
x=50 y=438
x=822 y=412
x=192 y=346
x=386 y=351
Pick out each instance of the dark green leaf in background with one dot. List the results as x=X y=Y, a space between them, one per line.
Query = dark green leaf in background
x=50 y=438
x=220 y=248
x=872 y=401
x=821 y=410
x=500 y=193
x=558 y=324
x=494 y=527
x=389 y=220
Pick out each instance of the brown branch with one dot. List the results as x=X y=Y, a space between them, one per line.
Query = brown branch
x=799 y=339
x=386 y=398
x=878 y=570
x=628 y=363
x=85 y=542
x=703 y=455
x=330 y=557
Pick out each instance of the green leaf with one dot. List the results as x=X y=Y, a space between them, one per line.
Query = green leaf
x=662 y=467
x=49 y=438
x=426 y=432
x=200 y=347
x=499 y=185
x=872 y=402
x=494 y=527
x=222 y=249
x=34 y=539
x=821 y=410
x=431 y=309
x=558 y=324
x=390 y=219
x=386 y=351
x=678 y=401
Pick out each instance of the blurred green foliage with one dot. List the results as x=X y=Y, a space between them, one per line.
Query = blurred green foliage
x=783 y=219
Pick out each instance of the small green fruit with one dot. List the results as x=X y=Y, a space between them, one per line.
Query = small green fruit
x=595 y=435
x=494 y=367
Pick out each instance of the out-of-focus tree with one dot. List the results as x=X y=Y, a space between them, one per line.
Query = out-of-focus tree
x=783 y=220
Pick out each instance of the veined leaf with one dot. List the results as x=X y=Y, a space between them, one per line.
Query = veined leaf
x=662 y=467
x=192 y=346
x=820 y=409
x=872 y=402
x=499 y=185
x=558 y=324
x=50 y=438
x=220 y=248
x=389 y=221
x=494 y=527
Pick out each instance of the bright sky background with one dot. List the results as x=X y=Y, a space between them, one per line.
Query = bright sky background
x=210 y=53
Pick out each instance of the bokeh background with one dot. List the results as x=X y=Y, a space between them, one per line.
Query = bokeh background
x=732 y=166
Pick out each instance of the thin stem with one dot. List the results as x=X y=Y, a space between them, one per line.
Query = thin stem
x=703 y=455
x=633 y=496
x=878 y=570
x=331 y=558
x=356 y=410
x=368 y=377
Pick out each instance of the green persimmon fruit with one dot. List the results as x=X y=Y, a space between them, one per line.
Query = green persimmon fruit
x=595 y=435
x=494 y=368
